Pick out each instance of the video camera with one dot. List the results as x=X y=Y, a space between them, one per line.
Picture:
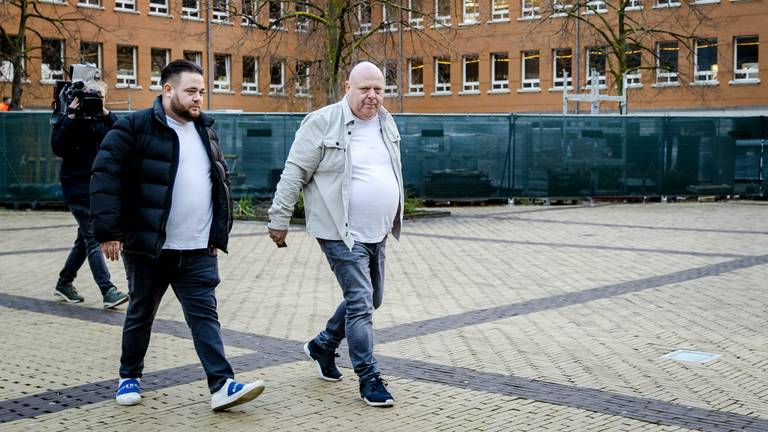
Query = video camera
x=91 y=101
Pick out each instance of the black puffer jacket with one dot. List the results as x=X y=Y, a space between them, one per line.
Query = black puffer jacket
x=76 y=141
x=133 y=177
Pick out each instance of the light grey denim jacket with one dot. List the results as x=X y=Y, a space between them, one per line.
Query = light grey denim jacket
x=320 y=164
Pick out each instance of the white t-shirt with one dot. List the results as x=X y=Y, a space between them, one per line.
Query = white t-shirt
x=374 y=193
x=189 y=223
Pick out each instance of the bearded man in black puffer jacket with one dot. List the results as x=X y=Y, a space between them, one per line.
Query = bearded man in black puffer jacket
x=160 y=195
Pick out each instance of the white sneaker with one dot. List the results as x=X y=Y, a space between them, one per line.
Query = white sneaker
x=128 y=391
x=234 y=393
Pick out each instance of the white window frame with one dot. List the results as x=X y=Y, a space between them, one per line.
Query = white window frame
x=127 y=80
x=98 y=52
x=415 y=88
x=302 y=88
x=158 y=7
x=48 y=76
x=666 y=4
x=277 y=89
x=191 y=12
x=601 y=77
x=125 y=5
x=634 y=5
x=470 y=87
x=390 y=90
x=6 y=66
x=595 y=6
x=220 y=15
x=704 y=76
x=251 y=83
x=560 y=8
x=750 y=74
x=364 y=27
x=471 y=14
x=634 y=78
x=415 y=18
x=249 y=19
x=529 y=83
x=388 y=23
x=664 y=77
x=154 y=81
x=198 y=56
x=222 y=85
x=442 y=88
x=530 y=9
x=302 y=23
x=96 y=4
x=499 y=85
x=53 y=1
x=281 y=14
x=442 y=20
x=500 y=12
x=558 y=81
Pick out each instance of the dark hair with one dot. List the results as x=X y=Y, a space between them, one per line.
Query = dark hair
x=176 y=68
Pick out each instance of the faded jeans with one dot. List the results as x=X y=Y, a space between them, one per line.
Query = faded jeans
x=85 y=246
x=360 y=273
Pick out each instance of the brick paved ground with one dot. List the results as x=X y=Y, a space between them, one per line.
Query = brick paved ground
x=500 y=318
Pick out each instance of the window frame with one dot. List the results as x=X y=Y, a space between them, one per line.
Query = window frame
x=470 y=87
x=277 y=89
x=99 y=51
x=441 y=20
x=49 y=76
x=530 y=9
x=704 y=76
x=250 y=84
x=154 y=80
x=160 y=9
x=302 y=89
x=559 y=81
x=500 y=14
x=219 y=14
x=530 y=83
x=415 y=88
x=125 y=6
x=192 y=13
x=499 y=86
x=666 y=77
x=748 y=75
x=124 y=80
x=390 y=90
x=468 y=18
x=602 y=75
x=225 y=85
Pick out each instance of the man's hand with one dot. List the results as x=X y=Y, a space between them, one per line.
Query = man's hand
x=278 y=236
x=112 y=249
x=75 y=103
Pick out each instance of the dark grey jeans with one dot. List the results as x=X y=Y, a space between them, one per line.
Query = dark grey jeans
x=193 y=275
x=360 y=273
x=85 y=246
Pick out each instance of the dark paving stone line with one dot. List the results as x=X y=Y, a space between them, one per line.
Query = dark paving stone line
x=35 y=251
x=481 y=316
x=601 y=401
x=35 y=228
x=576 y=246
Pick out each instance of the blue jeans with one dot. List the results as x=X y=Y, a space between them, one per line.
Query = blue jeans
x=360 y=273
x=193 y=275
x=85 y=246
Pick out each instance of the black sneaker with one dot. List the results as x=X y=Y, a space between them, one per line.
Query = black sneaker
x=325 y=361
x=68 y=293
x=374 y=392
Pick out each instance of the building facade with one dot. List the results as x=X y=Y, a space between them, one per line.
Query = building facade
x=438 y=56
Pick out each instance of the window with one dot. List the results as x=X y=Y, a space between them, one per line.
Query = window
x=634 y=5
x=705 y=61
x=302 y=78
x=596 y=6
x=277 y=77
x=158 y=7
x=531 y=9
x=596 y=63
x=8 y=51
x=221 y=73
x=561 y=7
x=634 y=63
x=250 y=75
x=302 y=22
x=745 y=59
x=666 y=63
x=667 y=3
x=390 y=16
x=125 y=5
x=530 y=61
x=562 y=67
x=160 y=58
x=89 y=3
x=194 y=57
x=415 y=76
x=499 y=72
x=471 y=65
x=390 y=79
x=250 y=12
x=415 y=16
x=442 y=75
x=220 y=11
x=190 y=9
x=276 y=14
x=52 y=62
x=471 y=11
x=126 y=66
x=363 y=15
x=90 y=52
x=442 y=13
x=500 y=10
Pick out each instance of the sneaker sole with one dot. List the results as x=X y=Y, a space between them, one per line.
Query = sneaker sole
x=385 y=404
x=130 y=402
x=245 y=397
x=67 y=299
x=115 y=304
x=320 y=369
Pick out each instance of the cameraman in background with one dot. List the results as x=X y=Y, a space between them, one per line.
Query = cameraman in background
x=76 y=138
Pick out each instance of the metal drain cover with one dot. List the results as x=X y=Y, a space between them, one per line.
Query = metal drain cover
x=691 y=356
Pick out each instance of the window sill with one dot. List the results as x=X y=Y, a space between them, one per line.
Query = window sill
x=498 y=91
x=189 y=18
x=224 y=23
x=595 y=12
x=599 y=87
x=391 y=95
x=664 y=6
x=87 y=6
x=420 y=94
x=442 y=93
x=156 y=87
x=130 y=11
x=250 y=93
x=634 y=86
x=558 y=89
x=529 y=90
x=221 y=91
x=633 y=8
x=277 y=94
x=704 y=2
x=666 y=85
x=752 y=81
x=160 y=15
x=707 y=83
x=530 y=18
x=469 y=92
x=497 y=21
x=45 y=82
x=129 y=86
x=468 y=23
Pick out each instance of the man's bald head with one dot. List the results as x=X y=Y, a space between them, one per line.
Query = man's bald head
x=365 y=90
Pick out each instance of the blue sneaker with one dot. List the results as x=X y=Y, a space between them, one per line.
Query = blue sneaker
x=374 y=392
x=234 y=393
x=128 y=391
x=325 y=361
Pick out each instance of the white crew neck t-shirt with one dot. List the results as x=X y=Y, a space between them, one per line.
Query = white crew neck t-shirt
x=189 y=222
x=374 y=193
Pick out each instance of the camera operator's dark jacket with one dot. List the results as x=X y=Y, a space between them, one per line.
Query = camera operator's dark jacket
x=133 y=177
x=76 y=141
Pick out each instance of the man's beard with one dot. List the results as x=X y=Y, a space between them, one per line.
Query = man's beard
x=182 y=111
